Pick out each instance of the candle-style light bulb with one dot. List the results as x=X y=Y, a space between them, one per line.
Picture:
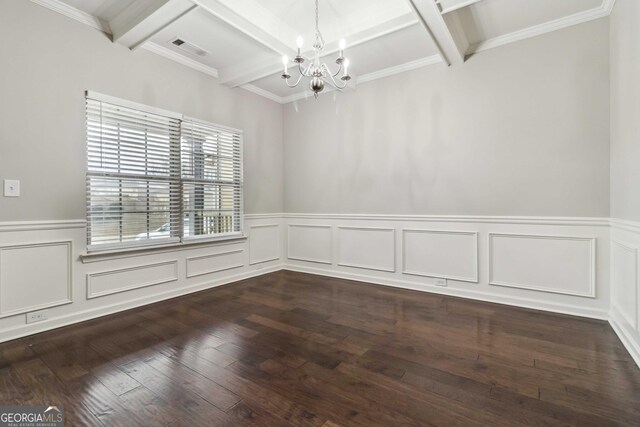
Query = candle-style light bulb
x=342 y=44
x=285 y=62
x=346 y=67
x=299 y=43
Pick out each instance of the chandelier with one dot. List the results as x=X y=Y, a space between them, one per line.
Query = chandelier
x=316 y=71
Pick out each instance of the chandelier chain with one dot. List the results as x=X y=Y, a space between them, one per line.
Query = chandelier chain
x=319 y=38
x=317 y=18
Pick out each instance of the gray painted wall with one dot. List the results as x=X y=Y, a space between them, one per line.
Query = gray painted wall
x=518 y=130
x=625 y=110
x=50 y=60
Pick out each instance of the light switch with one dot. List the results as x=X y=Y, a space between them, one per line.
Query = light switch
x=11 y=188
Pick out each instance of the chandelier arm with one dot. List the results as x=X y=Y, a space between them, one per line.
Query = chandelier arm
x=336 y=84
x=296 y=83
x=337 y=72
x=328 y=70
x=304 y=72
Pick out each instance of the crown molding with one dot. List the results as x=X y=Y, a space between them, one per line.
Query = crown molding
x=181 y=59
x=608 y=5
x=265 y=93
x=397 y=69
x=77 y=14
x=557 y=24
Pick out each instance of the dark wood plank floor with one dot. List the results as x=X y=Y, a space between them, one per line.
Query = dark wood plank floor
x=290 y=349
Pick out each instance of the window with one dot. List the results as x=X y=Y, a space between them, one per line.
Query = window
x=211 y=179
x=156 y=177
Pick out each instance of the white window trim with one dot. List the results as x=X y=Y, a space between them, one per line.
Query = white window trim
x=133 y=105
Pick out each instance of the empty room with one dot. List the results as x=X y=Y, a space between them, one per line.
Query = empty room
x=319 y=213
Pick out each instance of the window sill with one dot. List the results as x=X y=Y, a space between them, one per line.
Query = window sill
x=109 y=254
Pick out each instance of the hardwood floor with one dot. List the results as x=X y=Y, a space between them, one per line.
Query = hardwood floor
x=296 y=349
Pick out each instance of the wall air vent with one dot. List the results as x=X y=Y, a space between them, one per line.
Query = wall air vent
x=188 y=47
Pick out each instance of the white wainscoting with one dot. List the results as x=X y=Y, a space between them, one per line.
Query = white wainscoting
x=126 y=279
x=313 y=243
x=625 y=284
x=574 y=280
x=556 y=264
x=439 y=253
x=264 y=243
x=212 y=263
x=369 y=248
x=35 y=276
x=41 y=268
x=358 y=247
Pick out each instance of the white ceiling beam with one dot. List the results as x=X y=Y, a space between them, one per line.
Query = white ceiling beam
x=447 y=6
x=252 y=70
x=145 y=18
x=447 y=35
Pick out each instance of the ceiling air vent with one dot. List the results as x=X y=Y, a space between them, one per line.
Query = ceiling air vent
x=188 y=47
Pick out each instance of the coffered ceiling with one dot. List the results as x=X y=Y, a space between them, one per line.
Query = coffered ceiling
x=241 y=41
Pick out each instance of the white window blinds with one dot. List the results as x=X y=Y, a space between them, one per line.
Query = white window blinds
x=211 y=179
x=153 y=178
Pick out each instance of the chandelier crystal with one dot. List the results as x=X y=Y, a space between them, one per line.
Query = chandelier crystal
x=316 y=71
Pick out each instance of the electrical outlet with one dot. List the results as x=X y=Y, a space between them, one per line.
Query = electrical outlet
x=37 y=316
x=441 y=282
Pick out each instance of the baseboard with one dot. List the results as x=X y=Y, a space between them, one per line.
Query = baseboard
x=473 y=295
x=61 y=321
x=626 y=336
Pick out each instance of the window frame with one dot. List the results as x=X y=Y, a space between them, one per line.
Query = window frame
x=178 y=239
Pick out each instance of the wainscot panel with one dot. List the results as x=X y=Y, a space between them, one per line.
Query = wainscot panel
x=311 y=243
x=264 y=243
x=557 y=264
x=34 y=276
x=212 y=263
x=126 y=279
x=369 y=248
x=436 y=253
